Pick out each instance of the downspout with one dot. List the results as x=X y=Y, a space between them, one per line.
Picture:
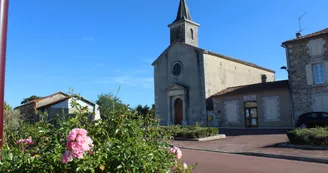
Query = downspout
x=289 y=84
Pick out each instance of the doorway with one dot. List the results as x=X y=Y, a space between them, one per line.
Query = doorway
x=251 y=116
x=178 y=111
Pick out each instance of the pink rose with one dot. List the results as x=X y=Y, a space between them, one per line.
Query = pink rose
x=81 y=132
x=20 y=141
x=177 y=151
x=67 y=157
x=72 y=135
x=78 y=143
x=29 y=142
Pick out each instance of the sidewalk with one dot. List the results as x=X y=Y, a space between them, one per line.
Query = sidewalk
x=258 y=145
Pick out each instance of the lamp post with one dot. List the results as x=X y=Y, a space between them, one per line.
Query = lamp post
x=290 y=93
x=3 y=45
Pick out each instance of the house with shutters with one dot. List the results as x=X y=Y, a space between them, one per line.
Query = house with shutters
x=307 y=66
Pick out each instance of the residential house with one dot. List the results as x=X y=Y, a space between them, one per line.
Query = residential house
x=57 y=103
x=259 y=107
x=307 y=65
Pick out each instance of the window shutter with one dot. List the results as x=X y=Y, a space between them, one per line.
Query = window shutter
x=309 y=74
x=326 y=72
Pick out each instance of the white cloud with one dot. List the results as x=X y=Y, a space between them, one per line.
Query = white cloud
x=88 y=39
x=145 y=82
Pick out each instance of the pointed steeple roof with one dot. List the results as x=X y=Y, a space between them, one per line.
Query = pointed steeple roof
x=183 y=11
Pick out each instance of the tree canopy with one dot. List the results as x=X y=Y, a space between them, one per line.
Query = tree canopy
x=109 y=104
x=33 y=97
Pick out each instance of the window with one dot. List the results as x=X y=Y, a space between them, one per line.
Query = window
x=316 y=47
x=271 y=109
x=192 y=34
x=313 y=115
x=319 y=73
x=177 y=68
x=324 y=115
x=231 y=110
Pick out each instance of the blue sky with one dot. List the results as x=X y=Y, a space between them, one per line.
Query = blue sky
x=97 y=46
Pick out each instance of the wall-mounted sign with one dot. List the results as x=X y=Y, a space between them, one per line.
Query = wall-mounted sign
x=249 y=98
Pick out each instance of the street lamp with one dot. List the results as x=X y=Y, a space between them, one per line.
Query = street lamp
x=290 y=93
x=284 y=68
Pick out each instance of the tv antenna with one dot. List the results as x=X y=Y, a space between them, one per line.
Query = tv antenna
x=299 y=23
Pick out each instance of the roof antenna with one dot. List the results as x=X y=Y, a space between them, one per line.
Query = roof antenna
x=298 y=34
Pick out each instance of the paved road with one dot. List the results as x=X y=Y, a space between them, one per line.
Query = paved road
x=210 y=162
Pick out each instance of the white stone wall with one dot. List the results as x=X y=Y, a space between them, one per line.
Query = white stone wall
x=221 y=73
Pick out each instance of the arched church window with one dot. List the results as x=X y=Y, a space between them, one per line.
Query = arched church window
x=192 y=34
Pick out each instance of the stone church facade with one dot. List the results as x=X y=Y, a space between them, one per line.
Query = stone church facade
x=186 y=76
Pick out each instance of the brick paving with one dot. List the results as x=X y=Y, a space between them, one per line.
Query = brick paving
x=252 y=143
x=210 y=162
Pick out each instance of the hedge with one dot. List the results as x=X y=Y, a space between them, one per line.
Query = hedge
x=313 y=136
x=192 y=132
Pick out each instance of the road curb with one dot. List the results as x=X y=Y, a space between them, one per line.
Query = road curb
x=275 y=156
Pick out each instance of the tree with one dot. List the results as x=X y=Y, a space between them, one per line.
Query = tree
x=26 y=100
x=110 y=104
x=7 y=106
x=11 y=117
x=146 y=110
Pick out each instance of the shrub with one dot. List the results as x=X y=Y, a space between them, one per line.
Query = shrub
x=192 y=132
x=121 y=143
x=313 y=136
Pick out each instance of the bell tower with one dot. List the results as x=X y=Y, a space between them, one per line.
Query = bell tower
x=183 y=29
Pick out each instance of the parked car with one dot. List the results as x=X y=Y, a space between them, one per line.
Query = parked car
x=312 y=119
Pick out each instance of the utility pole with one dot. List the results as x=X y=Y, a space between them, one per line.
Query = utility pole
x=3 y=47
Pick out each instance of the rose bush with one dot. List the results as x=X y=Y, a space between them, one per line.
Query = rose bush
x=124 y=142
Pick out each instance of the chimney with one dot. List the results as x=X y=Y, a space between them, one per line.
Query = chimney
x=264 y=78
x=298 y=35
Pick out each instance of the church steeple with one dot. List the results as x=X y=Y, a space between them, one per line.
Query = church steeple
x=183 y=11
x=183 y=29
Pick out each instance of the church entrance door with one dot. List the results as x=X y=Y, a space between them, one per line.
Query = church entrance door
x=178 y=111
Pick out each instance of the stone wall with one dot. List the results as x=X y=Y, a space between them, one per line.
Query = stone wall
x=192 y=77
x=283 y=108
x=221 y=73
x=300 y=61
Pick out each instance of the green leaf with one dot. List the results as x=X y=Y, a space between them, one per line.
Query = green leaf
x=10 y=156
x=119 y=167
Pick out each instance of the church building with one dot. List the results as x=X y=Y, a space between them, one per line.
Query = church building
x=186 y=77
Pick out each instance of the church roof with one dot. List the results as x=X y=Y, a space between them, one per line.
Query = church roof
x=315 y=34
x=217 y=55
x=183 y=11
